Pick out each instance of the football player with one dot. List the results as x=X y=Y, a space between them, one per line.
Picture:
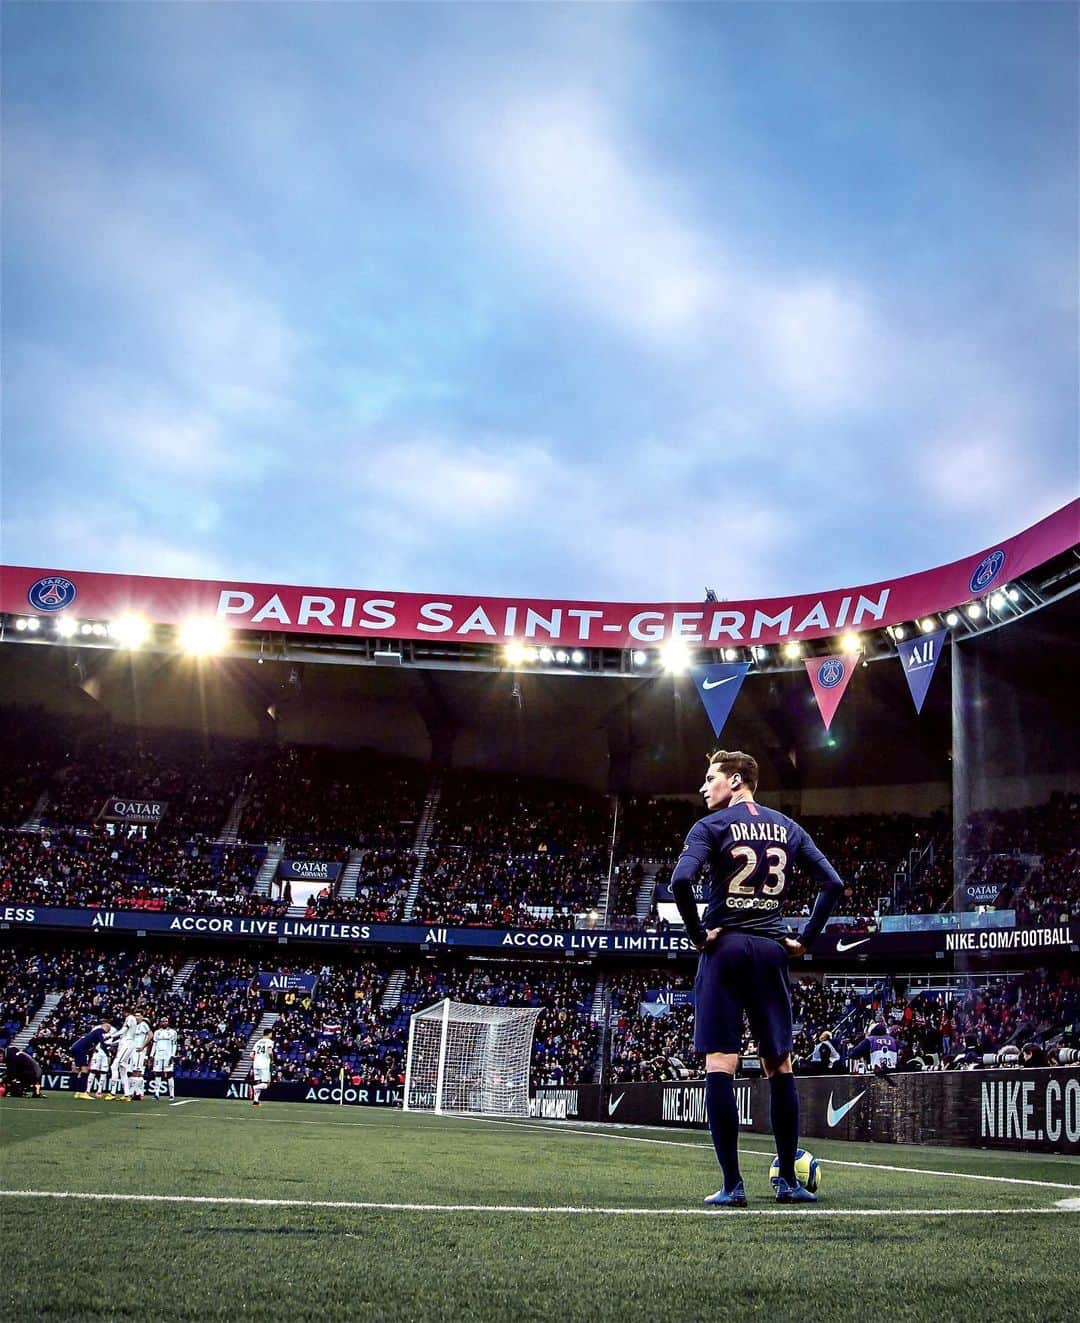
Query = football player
x=261 y=1058
x=744 y=851
x=163 y=1053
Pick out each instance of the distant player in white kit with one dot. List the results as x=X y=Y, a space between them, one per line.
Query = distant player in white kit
x=163 y=1053
x=136 y=1087
x=123 y=1040
x=261 y=1057
x=98 y=1079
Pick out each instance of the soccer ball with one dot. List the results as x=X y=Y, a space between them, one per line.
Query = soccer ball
x=807 y=1169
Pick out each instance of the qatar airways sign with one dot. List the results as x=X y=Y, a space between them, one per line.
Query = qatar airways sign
x=347 y=612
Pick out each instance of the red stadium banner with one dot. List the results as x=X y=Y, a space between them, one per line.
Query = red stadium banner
x=49 y=591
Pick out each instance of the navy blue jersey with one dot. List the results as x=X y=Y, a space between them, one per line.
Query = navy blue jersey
x=744 y=855
x=82 y=1047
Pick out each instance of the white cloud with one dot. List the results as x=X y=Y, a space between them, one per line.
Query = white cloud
x=148 y=245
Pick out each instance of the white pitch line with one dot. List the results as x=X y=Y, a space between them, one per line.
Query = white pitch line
x=762 y=1153
x=568 y=1210
x=182 y=1103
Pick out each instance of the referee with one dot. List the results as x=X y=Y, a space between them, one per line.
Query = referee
x=742 y=851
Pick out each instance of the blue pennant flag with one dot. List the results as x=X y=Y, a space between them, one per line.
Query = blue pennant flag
x=919 y=658
x=719 y=686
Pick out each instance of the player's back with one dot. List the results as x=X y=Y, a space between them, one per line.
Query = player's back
x=750 y=850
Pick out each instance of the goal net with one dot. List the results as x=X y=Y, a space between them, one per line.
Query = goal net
x=465 y=1058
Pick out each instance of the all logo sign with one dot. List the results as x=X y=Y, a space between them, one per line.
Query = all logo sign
x=919 y=658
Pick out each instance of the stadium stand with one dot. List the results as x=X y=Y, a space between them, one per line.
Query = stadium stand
x=313 y=797
x=511 y=850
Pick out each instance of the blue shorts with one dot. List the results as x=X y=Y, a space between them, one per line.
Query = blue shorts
x=743 y=973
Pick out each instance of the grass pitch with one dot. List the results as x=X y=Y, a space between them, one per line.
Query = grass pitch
x=300 y=1212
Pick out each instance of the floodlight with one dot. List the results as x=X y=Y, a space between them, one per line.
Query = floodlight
x=530 y=654
x=33 y=624
x=1013 y=594
x=20 y=624
x=86 y=627
x=639 y=658
x=850 y=643
x=562 y=657
x=577 y=657
x=899 y=632
x=514 y=654
x=793 y=650
x=997 y=600
x=546 y=655
x=974 y=610
x=202 y=636
x=928 y=625
x=98 y=630
x=65 y=627
x=130 y=631
x=731 y=654
x=952 y=619
x=675 y=656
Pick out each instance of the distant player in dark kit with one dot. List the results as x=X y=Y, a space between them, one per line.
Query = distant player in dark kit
x=83 y=1049
x=881 y=1048
x=743 y=852
x=23 y=1074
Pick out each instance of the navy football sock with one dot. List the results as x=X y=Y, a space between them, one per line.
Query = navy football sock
x=724 y=1124
x=784 y=1098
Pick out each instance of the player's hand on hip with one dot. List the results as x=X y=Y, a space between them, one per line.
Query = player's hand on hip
x=793 y=947
x=710 y=939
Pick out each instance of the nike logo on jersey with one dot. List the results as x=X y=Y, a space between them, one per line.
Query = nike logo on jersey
x=850 y=946
x=715 y=684
x=834 y=1115
x=613 y=1103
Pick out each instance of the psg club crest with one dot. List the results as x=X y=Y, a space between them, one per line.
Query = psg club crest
x=52 y=594
x=830 y=673
x=987 y=571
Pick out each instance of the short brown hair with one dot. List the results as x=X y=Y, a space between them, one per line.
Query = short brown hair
x=733 y=761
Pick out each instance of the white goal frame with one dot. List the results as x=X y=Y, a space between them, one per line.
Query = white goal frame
x=471 y=1059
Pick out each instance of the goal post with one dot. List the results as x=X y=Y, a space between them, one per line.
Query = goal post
x=466 y=1058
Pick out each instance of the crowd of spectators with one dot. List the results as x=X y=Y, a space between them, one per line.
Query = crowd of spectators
x=504 y=850
x=515 y=851
x=1031 y=855
x=311 y=797
x=125 y=867
x=340 y=1024
x=382 y=887
x=196 y=777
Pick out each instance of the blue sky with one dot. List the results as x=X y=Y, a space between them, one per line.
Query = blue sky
x=607 y=301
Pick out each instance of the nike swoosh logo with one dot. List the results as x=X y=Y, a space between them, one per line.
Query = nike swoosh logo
x=850 y=946
x=715 y=684
x=613 y=1103
x=834 y=1115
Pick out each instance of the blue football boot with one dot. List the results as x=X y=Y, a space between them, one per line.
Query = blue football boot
x=728 y=1198
x=792 y=1194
